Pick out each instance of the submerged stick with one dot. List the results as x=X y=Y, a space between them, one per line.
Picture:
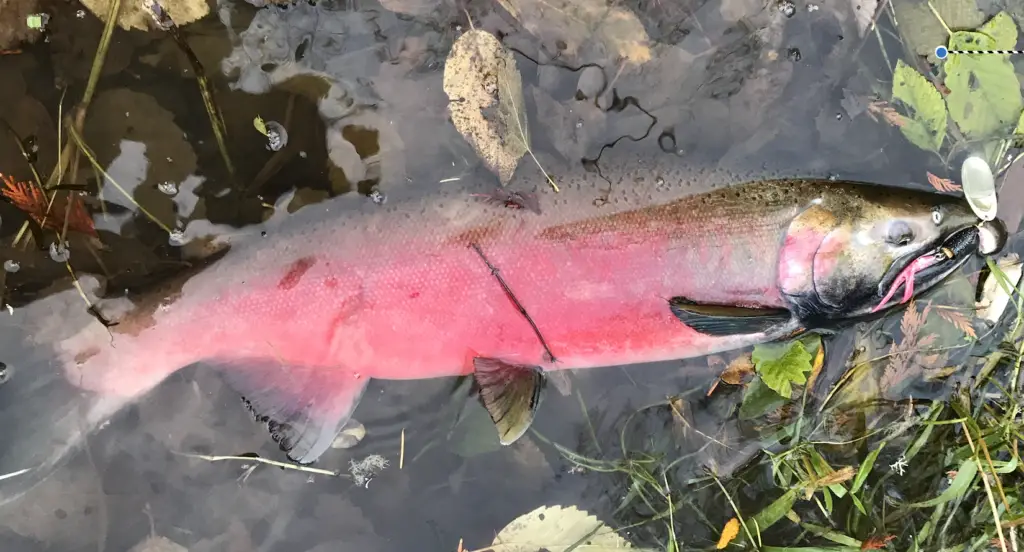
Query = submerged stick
x=15 y=473
x=163 y=21
x=101 y=55
x=512 y=297
x=77 y=140
x=38 y=181
x=64 y=157
x=260 y=460
x=988 y=488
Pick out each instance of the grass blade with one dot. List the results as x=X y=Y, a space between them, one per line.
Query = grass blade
x=958 y=488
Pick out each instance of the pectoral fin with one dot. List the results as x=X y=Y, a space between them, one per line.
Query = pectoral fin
x=721 y=320
x=510 y=393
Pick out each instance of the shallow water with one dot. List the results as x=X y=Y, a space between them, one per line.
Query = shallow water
x=732 y=81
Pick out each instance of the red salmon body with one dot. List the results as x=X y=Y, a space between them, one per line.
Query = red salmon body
x=347 y=291
x=453 y=284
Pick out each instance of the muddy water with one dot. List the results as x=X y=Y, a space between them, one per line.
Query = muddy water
x=358 y=86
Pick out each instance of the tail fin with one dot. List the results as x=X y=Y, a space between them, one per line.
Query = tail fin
x=305 y=408
x=45 y=418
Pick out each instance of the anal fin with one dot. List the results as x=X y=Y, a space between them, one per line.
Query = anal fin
x=304 y=408
x=510 y=393
x=722 y=320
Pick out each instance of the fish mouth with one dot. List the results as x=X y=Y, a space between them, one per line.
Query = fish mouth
x=921 y=272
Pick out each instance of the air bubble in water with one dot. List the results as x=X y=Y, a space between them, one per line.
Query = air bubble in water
x=176 y=238
x=12 y=266
x=170 y=188
x=60 y=252
x=277 y=136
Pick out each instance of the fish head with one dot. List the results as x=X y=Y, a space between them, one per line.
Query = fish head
x=880 y=247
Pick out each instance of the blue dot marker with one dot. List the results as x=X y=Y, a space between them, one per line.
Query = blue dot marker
x=941 y=52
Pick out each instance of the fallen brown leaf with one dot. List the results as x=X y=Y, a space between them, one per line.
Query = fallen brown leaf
x=839 y=476
x=737 y=370
x=485 y=94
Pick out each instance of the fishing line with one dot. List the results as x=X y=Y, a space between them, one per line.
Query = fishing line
x=942 y=52
x=508 y=291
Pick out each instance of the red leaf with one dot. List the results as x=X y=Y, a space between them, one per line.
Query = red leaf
x=30 y=200
x=959 y=320
x=943 y=184
x=79 y=219
x=887 y=112
x=27 y=198
x=876 y=543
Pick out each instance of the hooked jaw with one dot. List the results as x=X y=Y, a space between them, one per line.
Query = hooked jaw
x=907 y=275
x=932 y=266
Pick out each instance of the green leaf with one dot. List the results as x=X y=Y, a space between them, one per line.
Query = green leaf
x=773 y=512
x=959 y=487
x=758 y=400
x=934 y=411
x=1005 y=467
x=834 y=536
x=926 y=126
x=811 y=342
x=1002 y=30
x=858 y=504
x=782 y=364
x=260 y=125
x=865 y=469
x=923 y=30
x=822 y=469
x=984 y=93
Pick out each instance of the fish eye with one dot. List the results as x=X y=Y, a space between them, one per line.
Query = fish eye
x=900 y=233
x=937 y=215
